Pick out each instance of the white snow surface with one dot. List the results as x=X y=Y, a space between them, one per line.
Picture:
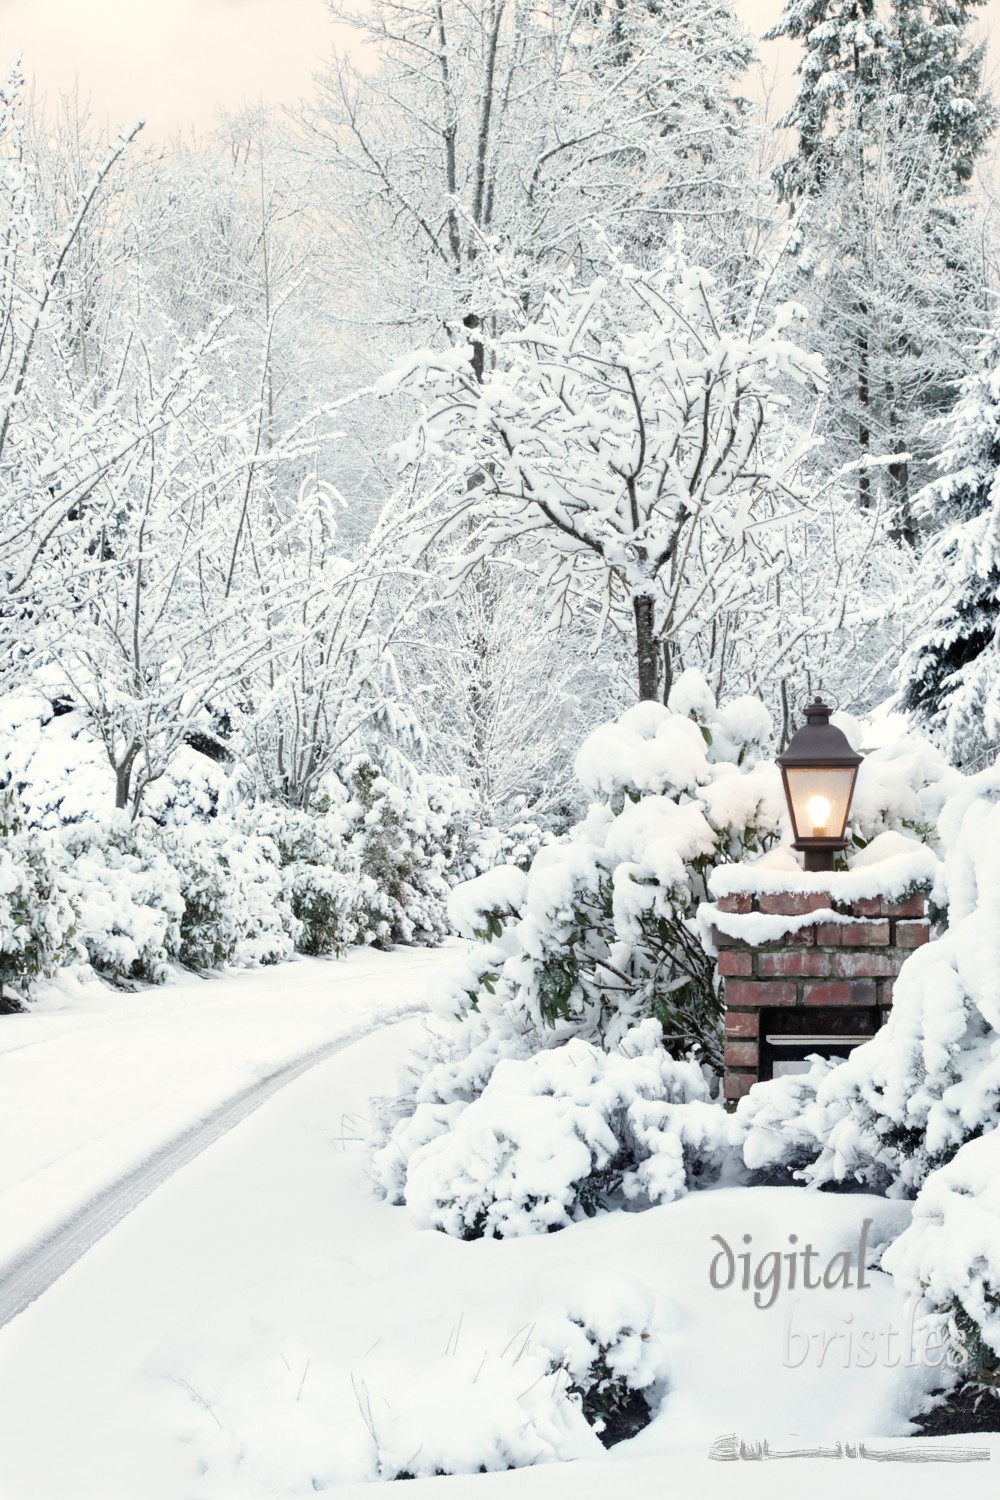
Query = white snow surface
x=499 y=891
x=262 y=1326
x=892 y=865
x=93 y=1081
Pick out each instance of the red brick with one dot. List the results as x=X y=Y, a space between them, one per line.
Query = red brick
x=872 y=934
x=794 y=903
x=759 y=992
x=793 y=964
x=887 y=985
x=741 y=1055
x=841 y=992
x=913 y=906
x=738 y=1084
x=742 y=1022
x=912 y=934
x=740 y=902
x=855 y=964
x=879 y=906
x=733 y=962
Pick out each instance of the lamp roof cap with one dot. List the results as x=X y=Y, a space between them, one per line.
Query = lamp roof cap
x=818 y=742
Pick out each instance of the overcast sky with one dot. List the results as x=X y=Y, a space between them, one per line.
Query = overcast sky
x=176 y=61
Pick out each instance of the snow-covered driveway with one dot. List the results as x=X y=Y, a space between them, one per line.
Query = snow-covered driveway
x=262 y=1326
x=91 y=1090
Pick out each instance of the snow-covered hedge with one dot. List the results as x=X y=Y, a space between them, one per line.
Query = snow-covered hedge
x=950 y=1255
x=208 y=874
x=554 y=1136
x=127 y=896
x=37 y=919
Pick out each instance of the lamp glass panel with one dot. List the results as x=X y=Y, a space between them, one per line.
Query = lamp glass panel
x=820 y=799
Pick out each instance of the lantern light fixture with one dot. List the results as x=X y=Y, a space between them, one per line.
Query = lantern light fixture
x=819 y=770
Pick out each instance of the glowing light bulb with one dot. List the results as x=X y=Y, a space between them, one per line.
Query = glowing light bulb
x=818 y=809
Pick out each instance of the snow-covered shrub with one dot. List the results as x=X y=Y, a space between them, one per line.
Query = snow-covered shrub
x=776 y=1125
x=324 y=903
x=472 y=1412
x=520 y=842
x=322 y=882
x=903 y=782
x=950 y=1255
x=604 y=1335
x=554 y=1136
x=268 y=928
x=128 y=898
x=604 y=935
x=37 y=919
x=214 y=919
x=591 y=1369
x=413 y=839
x=598 y=936
x=193 y=790
x=51 y=762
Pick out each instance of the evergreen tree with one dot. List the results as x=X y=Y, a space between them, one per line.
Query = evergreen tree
x=845 y=45
x=891 y=116
x=915 y=56
x=933 y=64
x=951 y=675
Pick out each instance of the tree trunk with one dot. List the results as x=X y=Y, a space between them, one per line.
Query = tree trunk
x=647 y=655
x=474 y=324
x=123 y=775
x=864 y=404
x=123 y=783
x=668 y=672
x=903 y=530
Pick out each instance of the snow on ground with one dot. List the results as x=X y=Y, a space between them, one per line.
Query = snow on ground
x=94 y=1081
x=249 y=1327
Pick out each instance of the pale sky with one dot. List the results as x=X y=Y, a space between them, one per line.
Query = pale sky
x=176 y=61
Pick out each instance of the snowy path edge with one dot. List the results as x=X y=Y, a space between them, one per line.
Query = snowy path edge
x=24 y=1279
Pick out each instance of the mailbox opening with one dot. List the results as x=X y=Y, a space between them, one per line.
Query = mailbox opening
x=789 y=1036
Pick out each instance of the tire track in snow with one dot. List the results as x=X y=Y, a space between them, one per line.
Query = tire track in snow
x=23 y=1280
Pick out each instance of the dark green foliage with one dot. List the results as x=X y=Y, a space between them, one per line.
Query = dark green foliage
x=320 y=904
x=36 y=917
x=614 y=1409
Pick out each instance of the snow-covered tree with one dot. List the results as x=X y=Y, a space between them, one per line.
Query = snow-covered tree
x=517 y=122
x=61 y=432
x=503 y=699
x=951 y=673
x=631 y=441
x=325 y=686
x=892 y=117
x=914 y=56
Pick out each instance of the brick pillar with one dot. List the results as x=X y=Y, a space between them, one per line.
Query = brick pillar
x=850 y=962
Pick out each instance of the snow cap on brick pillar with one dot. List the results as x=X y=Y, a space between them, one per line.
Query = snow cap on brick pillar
x=813 y=949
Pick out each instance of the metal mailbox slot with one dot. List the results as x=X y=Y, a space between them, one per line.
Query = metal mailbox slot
x=788 y=1037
